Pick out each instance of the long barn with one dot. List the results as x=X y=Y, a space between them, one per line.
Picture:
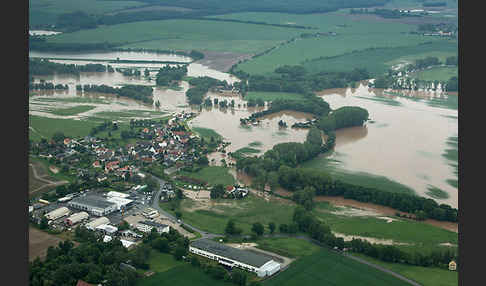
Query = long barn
x=260 y=264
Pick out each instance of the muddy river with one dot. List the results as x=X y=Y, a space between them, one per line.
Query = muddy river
x=404 y=141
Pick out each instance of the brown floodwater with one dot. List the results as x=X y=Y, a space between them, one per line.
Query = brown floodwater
x=404 y=141
x=112 y=55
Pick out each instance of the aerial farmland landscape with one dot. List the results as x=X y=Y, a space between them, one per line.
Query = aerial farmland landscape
x=243 y=143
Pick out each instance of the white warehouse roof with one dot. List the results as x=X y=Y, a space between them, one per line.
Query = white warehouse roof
x=117 y=194
x=120 y=202
x=96 y=222
x=107 y=228
x=57 y=213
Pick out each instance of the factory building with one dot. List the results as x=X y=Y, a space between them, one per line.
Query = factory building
x=57 y=213
x=95 y=205
x=147 y=226
x=97 y=222
x=261 y=264
x=75 y=218
x=107 y=229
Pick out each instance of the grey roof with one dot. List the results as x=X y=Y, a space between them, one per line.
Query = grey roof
x=244 y=256
x=92 y=201
x=152 y=223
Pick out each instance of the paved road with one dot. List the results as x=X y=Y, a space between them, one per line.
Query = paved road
x=155 y=205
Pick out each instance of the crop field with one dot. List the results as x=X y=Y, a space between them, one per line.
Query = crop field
x=417 y=235
x=271 y=96
x=351 y=35
x=329 y=268
x=322 y=163
x=377 y=61
x=46 y=11
x=212 y=175
x=436 y=73
x=184 y=275
x=426 y=276
x=185 y=35
x=214 y=216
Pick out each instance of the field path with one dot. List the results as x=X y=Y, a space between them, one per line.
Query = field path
x=41 y=178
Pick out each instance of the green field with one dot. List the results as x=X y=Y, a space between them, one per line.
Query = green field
x=46 y=127
x=329 y=268
x=115 y=115
x=288 y=246
x=355 y=35
x=185 y=35
x=330 y=166
x=417 y=234
x=245 y=212
x=206 y=133
x=184 y=275
x=378 y=60
x=161 y=262
x=72 y=110
x=271 y=96
x=212 y=175
x=436 y=73
x=427 y=276
x=246 y=151
x=47 y=11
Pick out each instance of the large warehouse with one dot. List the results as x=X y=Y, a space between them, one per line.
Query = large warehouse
x=95 y=205
x=77 y=217
x=97 y=222
x=57 y=213
x=260 y=264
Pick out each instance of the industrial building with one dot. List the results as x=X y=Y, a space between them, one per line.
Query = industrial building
x=97 y=222
x=57 y=213
x=150 y=213
x=95 y=205
x=77 y=217
x=121 y=203
x=147 y=226
x=107 y=229
x=262 y=265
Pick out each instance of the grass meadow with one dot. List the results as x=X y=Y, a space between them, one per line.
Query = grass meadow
x=212 y=175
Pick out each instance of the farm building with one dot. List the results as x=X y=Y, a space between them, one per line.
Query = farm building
x=147 y=226
x=93 y=204
x=75 y=218
x=57 y=213
x=260 y=264
x=97 y=222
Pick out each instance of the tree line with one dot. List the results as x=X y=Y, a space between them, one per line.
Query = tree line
x=47 y=86
x=137 y=92
x=46 y=67
x=200 y=86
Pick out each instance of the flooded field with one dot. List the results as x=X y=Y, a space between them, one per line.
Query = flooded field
x=112 y=56
x=404 y=140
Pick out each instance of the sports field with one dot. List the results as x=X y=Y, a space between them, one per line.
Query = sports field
x=328 y=268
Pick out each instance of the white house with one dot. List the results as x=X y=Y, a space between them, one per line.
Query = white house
x=147 y=226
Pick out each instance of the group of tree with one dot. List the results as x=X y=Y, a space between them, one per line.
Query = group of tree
x=46 y=67
x=217 y=191
x=167 y=74
x=200 y=86
x=137 y=92
x=47 y=86
x=346 y=116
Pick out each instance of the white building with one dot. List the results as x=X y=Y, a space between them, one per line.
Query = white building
x=233 y=257
x=117 y=194
x=77 y=217
x=147 y=226
x=57 y=213
x=95 y=205
x=121 y=203
x=97 y=222
x=150 y=213
x=107 y=229
x=107 y=238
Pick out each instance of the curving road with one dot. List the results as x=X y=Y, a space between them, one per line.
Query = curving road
x=204 y=234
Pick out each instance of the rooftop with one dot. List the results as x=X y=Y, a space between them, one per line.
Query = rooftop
x=93 y=201
x=151 y=223
x=240 y=255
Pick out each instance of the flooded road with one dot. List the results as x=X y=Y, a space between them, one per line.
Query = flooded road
x=404 y=141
